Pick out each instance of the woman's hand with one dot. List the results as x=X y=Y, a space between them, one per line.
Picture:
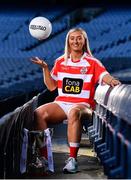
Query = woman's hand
x=114 y=82
x=40 y=62
x=48 y=80
x=110 y=80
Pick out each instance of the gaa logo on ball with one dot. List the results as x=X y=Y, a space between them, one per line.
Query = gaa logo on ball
x=40 y=28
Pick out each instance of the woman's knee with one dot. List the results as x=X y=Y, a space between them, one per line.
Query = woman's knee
x=74 y=115
x=40 y=115
x=40 y=119
x=79 y=113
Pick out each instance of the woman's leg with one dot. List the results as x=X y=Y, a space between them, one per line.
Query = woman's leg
x=48 y=113
x=75 y=116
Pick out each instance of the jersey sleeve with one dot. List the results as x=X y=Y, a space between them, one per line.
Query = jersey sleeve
x=54 y=71
x=100 y=72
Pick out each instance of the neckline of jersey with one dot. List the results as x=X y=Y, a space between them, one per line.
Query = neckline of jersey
x=76 y=61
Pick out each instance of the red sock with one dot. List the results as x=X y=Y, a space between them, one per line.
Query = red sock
x=73 y=151
x=43 y=151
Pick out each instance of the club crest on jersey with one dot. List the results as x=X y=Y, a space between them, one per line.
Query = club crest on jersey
x=83 y=70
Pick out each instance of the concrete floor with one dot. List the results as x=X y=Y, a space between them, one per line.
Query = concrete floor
x=88 y=165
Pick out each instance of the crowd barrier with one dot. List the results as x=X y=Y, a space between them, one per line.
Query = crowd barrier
x=111 y=130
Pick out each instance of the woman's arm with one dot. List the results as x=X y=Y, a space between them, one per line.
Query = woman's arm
x=50 y=83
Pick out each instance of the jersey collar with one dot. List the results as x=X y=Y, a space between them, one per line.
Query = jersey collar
x=83 y=56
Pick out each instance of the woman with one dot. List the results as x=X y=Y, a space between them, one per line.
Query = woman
x=75 y=74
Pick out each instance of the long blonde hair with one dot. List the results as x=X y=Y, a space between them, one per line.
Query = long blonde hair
x=86 y=47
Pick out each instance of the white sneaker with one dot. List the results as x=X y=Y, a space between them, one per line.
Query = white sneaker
x=71 y=166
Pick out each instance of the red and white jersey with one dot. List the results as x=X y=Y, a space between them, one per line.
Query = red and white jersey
x=77 y=80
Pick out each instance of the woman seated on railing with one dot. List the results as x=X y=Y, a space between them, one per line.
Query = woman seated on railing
x=75 y=74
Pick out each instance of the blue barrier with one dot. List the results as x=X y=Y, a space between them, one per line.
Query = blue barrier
x=111 y=128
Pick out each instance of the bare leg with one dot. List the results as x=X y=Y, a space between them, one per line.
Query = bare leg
x=75 y=117
x=48 y=113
